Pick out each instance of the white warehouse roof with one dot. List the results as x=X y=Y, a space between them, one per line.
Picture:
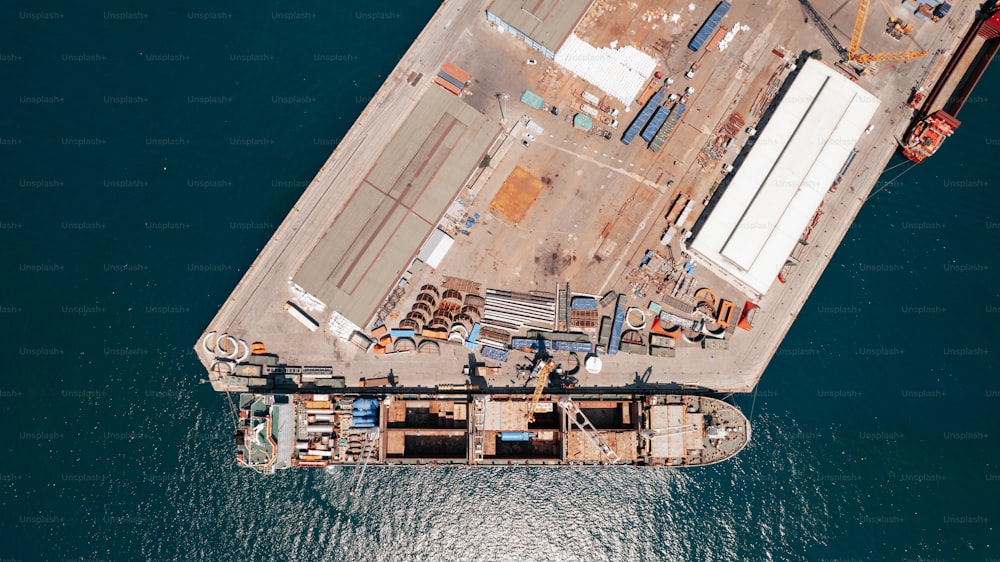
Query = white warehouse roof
x=435 y=248
x=774 y=194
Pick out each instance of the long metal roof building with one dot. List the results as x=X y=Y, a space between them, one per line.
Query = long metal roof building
x=543 y=24
x=395 y=206
x=759 y=218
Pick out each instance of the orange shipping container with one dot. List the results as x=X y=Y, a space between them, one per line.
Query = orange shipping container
x=447 y=85
x=456 y=72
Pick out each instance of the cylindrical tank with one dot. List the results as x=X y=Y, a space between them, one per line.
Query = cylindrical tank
x=516 y=435
x=319 y=428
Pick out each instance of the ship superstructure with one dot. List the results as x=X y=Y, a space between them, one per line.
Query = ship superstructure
x=938 y=117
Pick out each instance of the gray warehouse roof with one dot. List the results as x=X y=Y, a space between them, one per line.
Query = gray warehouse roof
x=392 y=209
x=548 y=22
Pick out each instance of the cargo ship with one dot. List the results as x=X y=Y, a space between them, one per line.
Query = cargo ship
x=938 y=117
x=460 y=425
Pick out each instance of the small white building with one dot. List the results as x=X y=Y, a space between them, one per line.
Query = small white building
x=435 y=248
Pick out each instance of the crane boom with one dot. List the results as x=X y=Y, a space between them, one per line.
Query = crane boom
x=823 y=27
x=543 y=370
x=859 y=29
x=371 y=440
x=650 y=433
x=577 y=416
x=869 y=59
x=895 y=56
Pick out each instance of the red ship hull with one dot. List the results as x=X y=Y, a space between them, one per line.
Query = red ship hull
x=927 y=135
x=968 y=64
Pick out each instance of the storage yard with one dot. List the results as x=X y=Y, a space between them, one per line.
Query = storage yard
x=665 y=207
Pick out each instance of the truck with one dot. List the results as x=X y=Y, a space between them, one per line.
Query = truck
x=651 y=88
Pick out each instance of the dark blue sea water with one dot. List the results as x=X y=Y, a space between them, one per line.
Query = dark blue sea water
x=149 y=152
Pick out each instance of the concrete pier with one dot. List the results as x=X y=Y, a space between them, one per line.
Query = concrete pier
x=599 y=207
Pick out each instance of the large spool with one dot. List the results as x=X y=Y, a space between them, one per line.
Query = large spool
x=451 y=300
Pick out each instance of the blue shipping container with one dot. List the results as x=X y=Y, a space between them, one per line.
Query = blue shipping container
x=643 y=117
x=458 y=84
x=709 y=26
x=494 y=353
x=516 y=436
x=583 y=303
x=655 y=123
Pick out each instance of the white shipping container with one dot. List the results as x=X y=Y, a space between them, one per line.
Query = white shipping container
x=301 y=317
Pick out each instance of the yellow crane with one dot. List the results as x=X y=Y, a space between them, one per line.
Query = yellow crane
x=542 y=372
x=870 y=59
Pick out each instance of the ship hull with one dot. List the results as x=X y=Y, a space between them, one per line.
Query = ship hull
x=937 y=119
x=324 y=430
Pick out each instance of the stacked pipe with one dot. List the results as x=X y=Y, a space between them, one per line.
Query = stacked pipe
x=495 y=338
x=474 y=300
x=512 y=311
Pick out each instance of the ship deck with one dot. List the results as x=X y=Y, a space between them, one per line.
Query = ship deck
x=333 y=430
x=958 y=73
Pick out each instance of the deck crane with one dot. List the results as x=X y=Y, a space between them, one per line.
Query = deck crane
x=650 y=433
x=577 y=416
x=370 y=442
x=542 y=372
x=824 y=29
x=868 y=60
